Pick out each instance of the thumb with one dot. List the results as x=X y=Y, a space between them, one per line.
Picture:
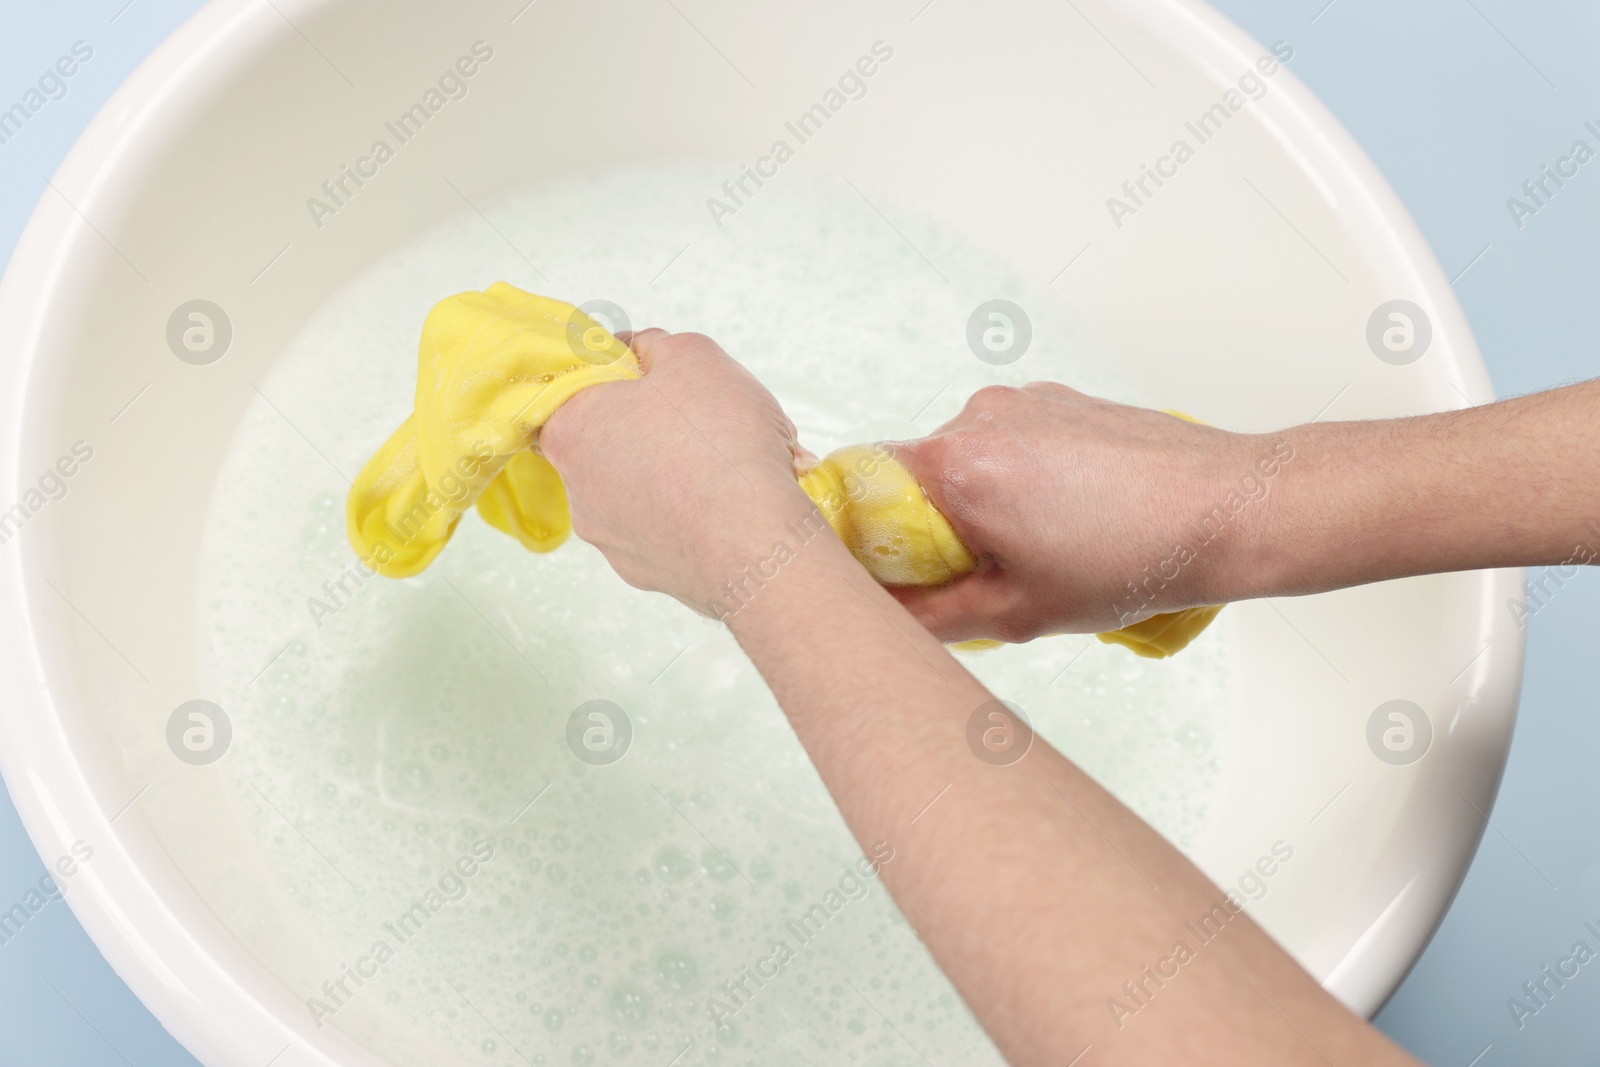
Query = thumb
x=982 y=604
x=645 y=344
x=944 y=467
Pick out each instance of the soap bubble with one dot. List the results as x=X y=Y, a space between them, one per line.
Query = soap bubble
x=629 y=1005
x=678 y=970
x=672 y=864
x=718 y=866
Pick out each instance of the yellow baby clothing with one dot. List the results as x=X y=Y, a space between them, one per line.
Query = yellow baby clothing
x=494 y=366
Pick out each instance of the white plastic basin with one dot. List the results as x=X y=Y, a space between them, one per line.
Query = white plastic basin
x=1240 y=289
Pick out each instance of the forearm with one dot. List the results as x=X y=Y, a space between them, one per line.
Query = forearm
x=1037 y=892
x=1516 y=483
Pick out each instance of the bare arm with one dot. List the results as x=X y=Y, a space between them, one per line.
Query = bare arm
x=1089 y=514
x=1038 y=893
x=1515 y=483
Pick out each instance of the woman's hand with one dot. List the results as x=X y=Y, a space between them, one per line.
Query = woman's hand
x=679 y=477
x=1087 y=515
x=684 y=477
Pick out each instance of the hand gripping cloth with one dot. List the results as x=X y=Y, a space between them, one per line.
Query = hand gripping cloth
x=491 y=370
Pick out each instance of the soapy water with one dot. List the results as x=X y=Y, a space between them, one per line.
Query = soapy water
x=406 y=723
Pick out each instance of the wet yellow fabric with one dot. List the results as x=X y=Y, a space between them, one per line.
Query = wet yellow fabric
x=880 y=511
x=494 y=366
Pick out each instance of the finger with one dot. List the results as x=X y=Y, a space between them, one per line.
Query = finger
x=1057 y=389
x=967 y=608
x=565 y=425
x=979 y=408
x=578 y=416
x=804 y=458
x=646 y=344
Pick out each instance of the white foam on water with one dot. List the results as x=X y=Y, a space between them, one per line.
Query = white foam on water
x=424 y=715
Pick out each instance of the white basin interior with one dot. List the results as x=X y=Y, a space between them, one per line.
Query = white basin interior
x=977 y=164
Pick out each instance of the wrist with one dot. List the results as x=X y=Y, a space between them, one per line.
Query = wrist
x=1356 y=502
x=772 y=529
x=1240 y=526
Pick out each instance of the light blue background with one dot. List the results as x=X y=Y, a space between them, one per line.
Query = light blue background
x=1458 y=102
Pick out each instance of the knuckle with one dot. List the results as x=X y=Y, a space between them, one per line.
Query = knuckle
x=1056 y=389
x=1011 y=631
x=928 y=454
x=1015 y=620
x=650 y=336
x=1017 y=629
x=693 y=342
x=582 y=528
x=993 y=397
x=551 y=443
